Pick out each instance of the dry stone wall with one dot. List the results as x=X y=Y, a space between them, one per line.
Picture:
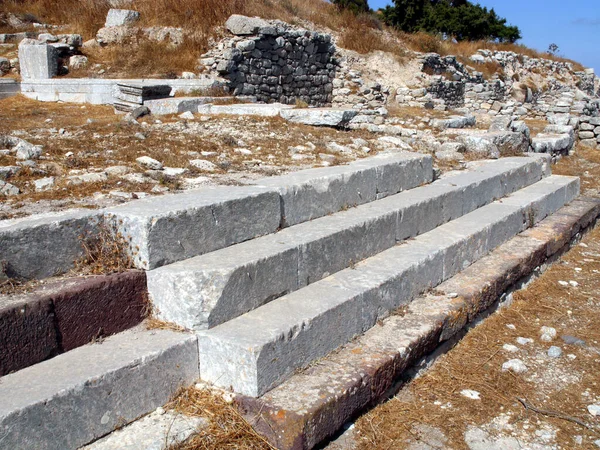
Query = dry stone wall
x=275 y=62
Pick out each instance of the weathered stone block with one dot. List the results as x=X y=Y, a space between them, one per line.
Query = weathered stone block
x=98 y=307
x=82 y=395
x=37 y=60
x=27 y=333
x=176 y=227
x=45 y=245
x=121 y=17
x=243 y=25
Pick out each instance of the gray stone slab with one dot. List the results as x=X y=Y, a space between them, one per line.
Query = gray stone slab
x=314 y=193
x=241 y=109
x=257 y=351
x=82 y=395
x=320 y=117
x=153 y=432
x=44 y=245
x=176 y=105
x=172 y=228
x=208 y=290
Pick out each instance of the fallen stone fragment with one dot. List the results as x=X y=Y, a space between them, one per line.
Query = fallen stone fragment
x=8 y=171
x=554 y=352
x=202 y=164
x=98 y=177
x=548 y=334
x=514 y=365
x=121 y=17
x=8 y=189
x=44 y=184
x=473 y=395
x=24 y=150
x=594 y=410
x=149 y=163
x=188 y=115
x=510 y=348
x=572 y=340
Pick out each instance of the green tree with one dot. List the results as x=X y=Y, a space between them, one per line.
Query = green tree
x=458 y=18
x=356 y=6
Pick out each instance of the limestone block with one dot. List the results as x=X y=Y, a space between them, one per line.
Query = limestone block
x=37 y=60
x=121 y=17
x=172 y=228
x=44 y=245
x=84 y=394
x=330 y=117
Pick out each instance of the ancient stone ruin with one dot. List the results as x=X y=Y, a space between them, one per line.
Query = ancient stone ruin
x=289 y=227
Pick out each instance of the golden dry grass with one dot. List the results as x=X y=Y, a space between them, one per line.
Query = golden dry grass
x=227 y=429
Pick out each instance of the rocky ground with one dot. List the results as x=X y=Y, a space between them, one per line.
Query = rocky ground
x=56 y=155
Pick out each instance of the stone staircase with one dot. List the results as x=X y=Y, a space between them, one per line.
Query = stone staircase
x=282 y=284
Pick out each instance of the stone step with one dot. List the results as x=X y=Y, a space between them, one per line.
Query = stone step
x=84 y=394
x=314 y=404
x=163 y=230
x=208 y=290
x=262 y=348
x=64 y=314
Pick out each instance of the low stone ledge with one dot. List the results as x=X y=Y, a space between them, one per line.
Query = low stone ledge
x=62 y=315
x=314 y=404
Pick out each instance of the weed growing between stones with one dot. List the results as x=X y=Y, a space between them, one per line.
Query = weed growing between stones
x=227 y=429
x=104 y=252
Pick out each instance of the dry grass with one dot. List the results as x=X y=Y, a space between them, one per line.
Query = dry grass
x=104 y=252
x=424 y=42
x=202 y=18
x=572 y=311
x=227 y=428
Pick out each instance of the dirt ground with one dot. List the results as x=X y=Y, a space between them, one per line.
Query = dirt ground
x=466 y=400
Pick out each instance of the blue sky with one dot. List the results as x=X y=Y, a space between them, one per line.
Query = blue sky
x=574 y=25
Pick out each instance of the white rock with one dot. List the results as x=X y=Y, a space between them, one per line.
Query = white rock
x=334 y=147
x=24 y=150
x=563 y=283
x=149 y=163
x=188 y=115
x=174 y=171
x=8 y=189
x=117 y=170
x=510 y=326
x=97 y=177
x=573 y=283
x=510 y=348
x=554 y=352
x=548 y=334
x=514 y=365
x=78 y=62
x=473 y=395
x=524 y=341
x=121 y=17
x=594 y=410
x=44 y=184
x=243 y=151
x=204 y=165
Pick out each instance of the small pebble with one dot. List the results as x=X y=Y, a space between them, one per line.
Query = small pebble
x=510 y=326
x=160 y=411
x=524 y=341
x=452 y=295
x=597 y=442
x=473 y=395
x=563 y=283
x=554 y=352
x=510 y=348
x=573 y=283
x=548 y=334
x=515 y=365
x=572 y=340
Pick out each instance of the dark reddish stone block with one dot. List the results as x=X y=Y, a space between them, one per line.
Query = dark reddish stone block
x=99 y=306
x=27 y=332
